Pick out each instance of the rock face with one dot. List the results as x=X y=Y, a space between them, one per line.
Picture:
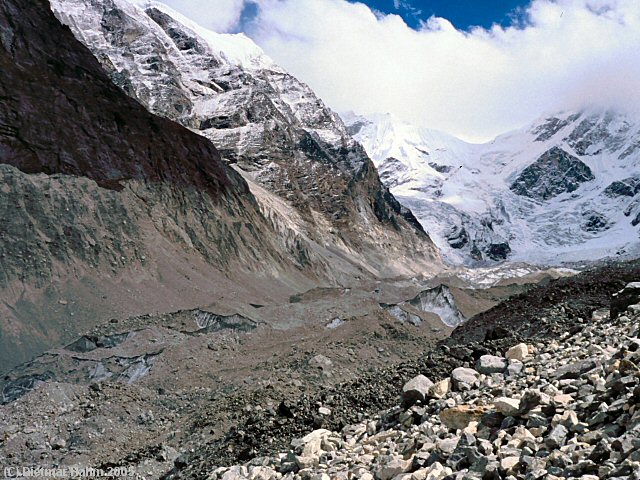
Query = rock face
x=263 y=120
x=554 y=173
x=133 y=145
x=586 y=427
x=563 y=189
x=90 y=178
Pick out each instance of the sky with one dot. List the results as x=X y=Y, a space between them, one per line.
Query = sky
x=463 y=14
x=473 y=68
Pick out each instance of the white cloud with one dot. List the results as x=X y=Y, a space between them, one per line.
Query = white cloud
x=476 y=84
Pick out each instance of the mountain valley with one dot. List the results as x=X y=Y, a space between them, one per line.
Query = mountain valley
x=202 y=264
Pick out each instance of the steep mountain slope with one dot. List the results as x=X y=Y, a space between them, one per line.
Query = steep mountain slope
x=561 y=190
x=272 y=126
x=109 y=211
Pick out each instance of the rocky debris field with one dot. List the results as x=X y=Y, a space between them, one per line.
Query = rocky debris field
x=213 y=399
x=542 y=314
x=550 y=409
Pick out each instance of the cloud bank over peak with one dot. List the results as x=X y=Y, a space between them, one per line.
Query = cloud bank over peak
x=564 y=54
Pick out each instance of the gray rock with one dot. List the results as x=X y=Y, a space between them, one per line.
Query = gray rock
x=574 y=370
x=557 y=437
x=629 y=295
x=391 y=466
x=464 y=378
x=416 y=390
x=489 y=364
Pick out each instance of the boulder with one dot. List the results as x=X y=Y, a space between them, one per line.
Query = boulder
x=557 y=437
x=518 y=352
x=464 y=378
x=509 y=407
x=460 y=416
x=629 y=295
x=415 y=390
x=392 y=466
x=489 y=364
x=439 y=389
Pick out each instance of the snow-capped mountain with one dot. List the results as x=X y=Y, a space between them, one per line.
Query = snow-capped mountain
x=564 y=189
x=273 y=127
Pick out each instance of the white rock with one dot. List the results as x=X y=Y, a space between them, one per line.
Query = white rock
x=416 y=390
x=439 y=389
x=464 y=378
x=507 y=406
x=518 y=352
x=489 y=364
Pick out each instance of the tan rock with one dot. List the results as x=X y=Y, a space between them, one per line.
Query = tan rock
x=508 y=463
x=562 y=399
x=440 y=389
x=518 y=352
x=460 y=416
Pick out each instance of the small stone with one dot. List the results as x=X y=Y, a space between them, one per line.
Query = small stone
x=306 y=462
x=324 y=411
x=530 y=399
x=392 y=466
x=509 y=407
x=514 y=368
x=320 y=361
x=563 y=399
x=557 y=437
x=574 y=370
x=448 y=445
x=508 y=463
x=569 y=419
x=518 y=352
x=311 y=444
x=58 y=443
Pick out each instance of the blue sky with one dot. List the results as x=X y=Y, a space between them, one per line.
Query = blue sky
x=463 y=14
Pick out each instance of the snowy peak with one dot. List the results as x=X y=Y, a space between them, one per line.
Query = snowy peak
x=236 y=49
x=591 y=132
x=562 y=189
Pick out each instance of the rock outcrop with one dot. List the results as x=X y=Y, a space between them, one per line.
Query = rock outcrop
x=554 y=173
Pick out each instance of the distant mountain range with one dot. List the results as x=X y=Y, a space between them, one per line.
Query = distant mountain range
x=564 y=189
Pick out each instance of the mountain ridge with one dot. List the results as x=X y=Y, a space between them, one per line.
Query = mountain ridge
x=271 y=126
